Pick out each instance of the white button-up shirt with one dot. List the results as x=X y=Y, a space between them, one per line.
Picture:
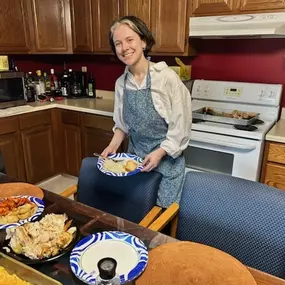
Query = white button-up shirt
x=171 y=99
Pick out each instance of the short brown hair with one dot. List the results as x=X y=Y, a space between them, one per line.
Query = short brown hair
x=139 y=27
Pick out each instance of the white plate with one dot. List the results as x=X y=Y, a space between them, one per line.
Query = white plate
x=130 y=253
x=121 y=156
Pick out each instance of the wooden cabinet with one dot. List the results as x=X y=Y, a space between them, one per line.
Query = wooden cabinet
x=37 y=143
x=139 y=8
x=71 y=141
x=38 y=153
x=260 y=5
x=96 y=133
x=11 y=148
x=273 y=170
x=212 y=7
x=170 y=25
x=104 y=14
x=14 y=30
x=51 y=26
x=81 y=15
x=91 y=21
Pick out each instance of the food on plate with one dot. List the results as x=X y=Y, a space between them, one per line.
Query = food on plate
x=120 y=166
x=131 y=165
x=42 y=239
x=6 y=278
x=14 y=209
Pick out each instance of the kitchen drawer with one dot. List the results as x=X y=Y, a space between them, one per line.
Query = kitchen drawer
x=34 y=119
x=9 y=125
x=275 y=175
x=70 y=117
x=276 y=152
x=98 y=122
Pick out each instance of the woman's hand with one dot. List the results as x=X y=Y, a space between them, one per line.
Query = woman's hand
x=153 y=159
x=109 y=149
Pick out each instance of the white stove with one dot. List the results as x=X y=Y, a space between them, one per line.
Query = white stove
x=220 y=147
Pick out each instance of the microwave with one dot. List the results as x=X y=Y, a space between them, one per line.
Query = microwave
x=12 y=89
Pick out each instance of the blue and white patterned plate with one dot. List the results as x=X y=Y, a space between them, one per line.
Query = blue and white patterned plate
x=39 y=203
x=121 y=156
x=129 y=251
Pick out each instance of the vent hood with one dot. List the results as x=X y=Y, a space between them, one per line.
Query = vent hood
x=267 y=25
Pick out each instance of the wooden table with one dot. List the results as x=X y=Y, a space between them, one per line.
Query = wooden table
x=90 y=220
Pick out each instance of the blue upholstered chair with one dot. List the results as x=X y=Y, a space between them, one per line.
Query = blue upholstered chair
x=243 y=218
x=132 y=198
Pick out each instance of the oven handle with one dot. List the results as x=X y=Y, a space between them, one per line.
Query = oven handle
x=248 y=146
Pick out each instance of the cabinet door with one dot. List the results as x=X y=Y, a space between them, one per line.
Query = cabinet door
x=38 y=153
x=11 y=150
x=14 y=32
x=212 y=7
x=104 y=14
x=274 y=175
x=95 y=140
x=169 y=25
x=139 y=8
x=82 y=25
x=259 y=5
x=50 y=20
x=72 y=149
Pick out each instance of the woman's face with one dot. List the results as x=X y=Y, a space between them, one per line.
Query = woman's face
x=128 y=44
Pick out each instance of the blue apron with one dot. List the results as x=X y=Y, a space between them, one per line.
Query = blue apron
x=147 y=130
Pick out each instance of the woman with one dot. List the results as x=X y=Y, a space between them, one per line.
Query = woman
x=152 y=107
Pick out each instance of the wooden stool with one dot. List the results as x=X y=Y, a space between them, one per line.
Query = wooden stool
x=188 y=263
x=18 y=188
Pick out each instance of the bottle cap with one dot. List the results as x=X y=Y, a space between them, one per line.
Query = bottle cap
x=107 y=268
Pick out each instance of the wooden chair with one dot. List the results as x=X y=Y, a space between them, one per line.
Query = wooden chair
x=241 y=217
x=132 y=198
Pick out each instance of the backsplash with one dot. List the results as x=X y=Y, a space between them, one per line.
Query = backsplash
x=250 y=60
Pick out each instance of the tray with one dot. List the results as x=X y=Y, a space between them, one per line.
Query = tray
x=223 y=116
x=25 y=272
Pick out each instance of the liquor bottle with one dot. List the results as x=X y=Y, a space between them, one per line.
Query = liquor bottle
x=91 y=86
x=47 y=84
x=40 y=86
x=65 y=90
x=53 y=77
x=29 y=85
x=75 y=90
x=84 y=89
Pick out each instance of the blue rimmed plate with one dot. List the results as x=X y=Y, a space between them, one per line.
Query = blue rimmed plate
x=37 y=201
x=129 y=251
x=121 y=157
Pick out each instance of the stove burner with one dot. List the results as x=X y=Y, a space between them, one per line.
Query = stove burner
x=249 y=128
x=257 y=122
x=194 y=120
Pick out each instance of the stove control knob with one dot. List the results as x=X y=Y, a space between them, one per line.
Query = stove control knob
x=272 y=95
x=261 y=95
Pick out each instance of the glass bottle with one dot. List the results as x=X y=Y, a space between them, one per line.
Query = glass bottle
x=91 y=86
x=107 y=272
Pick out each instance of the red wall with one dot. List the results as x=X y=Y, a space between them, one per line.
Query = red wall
x=251 y=60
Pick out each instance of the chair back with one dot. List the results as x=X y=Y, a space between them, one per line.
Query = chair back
x=2 y=168
x=243 y=218
x=129 y=197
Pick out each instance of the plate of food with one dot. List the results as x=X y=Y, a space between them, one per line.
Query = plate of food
x=120 y=164
x=20 y=188
x=18 y=210
x=41 y=241
x=129 y=252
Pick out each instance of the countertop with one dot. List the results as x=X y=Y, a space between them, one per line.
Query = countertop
x=277 y=133
x=104 y=106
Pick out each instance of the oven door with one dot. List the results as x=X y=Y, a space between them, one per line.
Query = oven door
x=224 y=154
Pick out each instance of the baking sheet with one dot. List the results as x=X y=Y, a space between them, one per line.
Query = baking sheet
x=224 y=116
